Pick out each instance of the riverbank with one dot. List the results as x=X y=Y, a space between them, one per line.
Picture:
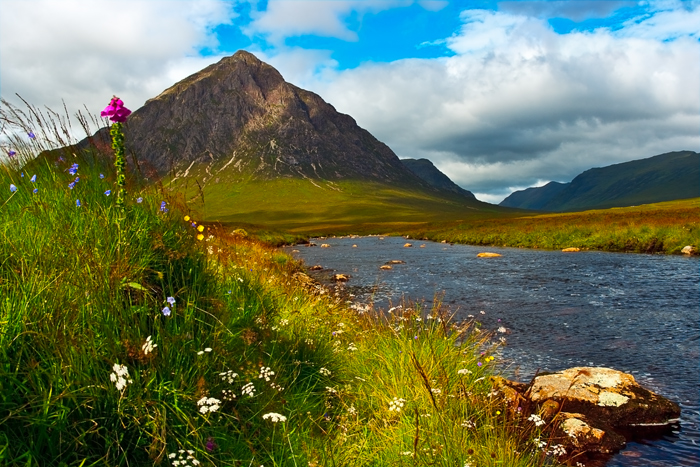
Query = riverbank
x=142 y=337
x=653 y=228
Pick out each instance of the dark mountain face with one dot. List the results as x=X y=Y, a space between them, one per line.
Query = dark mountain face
x=666 y=177
x=240 y=114
x=425 y=169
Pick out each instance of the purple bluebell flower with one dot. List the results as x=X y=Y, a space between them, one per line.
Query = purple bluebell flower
x=21 y=174
x=31 y=135
x=71 y=185
x=108 y=192
x=210 y=445
x=102 y=175
x=166 y=311
x=171 y=300
x=162 y=206
x=73 y=169
x=139 y=200
x=77 y=203
x=33 y=179
x=36 y=190
x=61 y=159
x=12 y=188
x=12 y=153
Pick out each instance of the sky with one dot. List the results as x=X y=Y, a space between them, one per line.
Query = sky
x=499 y=95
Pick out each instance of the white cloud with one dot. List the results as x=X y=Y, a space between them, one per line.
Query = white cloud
x=84 y=52
x=520 y=103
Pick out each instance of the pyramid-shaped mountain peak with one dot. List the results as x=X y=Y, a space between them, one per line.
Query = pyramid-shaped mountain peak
x=240 y=117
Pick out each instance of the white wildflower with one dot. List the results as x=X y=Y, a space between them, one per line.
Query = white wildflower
x=183 y=458
x=536 y=420
x=265 y=372
x=274 y=417
x=148 y=346
x=228 y=376
x=120 y=376
x=352 y=347
x=501 y=329
x=464 y=371
x=331 y=390
x=208 y=404
x=396 y=405
x=324 y=371
x=248 y=390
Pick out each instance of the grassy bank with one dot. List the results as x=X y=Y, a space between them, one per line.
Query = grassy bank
x=140 y=337
x=653 y=228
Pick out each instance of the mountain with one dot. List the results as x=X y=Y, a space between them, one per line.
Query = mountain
x=240 y=144
x=425 y=169
x=666 y=177
x=240 y=114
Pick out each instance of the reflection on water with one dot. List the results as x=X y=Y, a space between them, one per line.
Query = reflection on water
x=635 y=313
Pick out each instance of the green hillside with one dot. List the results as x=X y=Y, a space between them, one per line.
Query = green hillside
x=666 y=177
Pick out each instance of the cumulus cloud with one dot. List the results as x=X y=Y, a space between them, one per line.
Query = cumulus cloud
x=518 y=103
x=83 y=52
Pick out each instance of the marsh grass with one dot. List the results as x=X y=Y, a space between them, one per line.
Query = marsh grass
x=249 y=366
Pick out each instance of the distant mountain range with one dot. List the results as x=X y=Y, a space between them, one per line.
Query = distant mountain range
x=666 y=177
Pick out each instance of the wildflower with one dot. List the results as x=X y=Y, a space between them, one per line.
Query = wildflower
x=228 y=376
x=102 y=175
x=148 y=346
x=116 y=110
x=119 y=376
x=265 y=372
x=21 y=174
x=478 y=364
x=11 y=153
x=324 y=372
x=248 y=390
x=536 y=420
x=396 y=405
x=210 y=404
x=200 y=237
x=77 y=203
x=36 y=190
x=464 y=371
x=274 y=417
x=171 y=300
x=183 y=458
x=162 y=206
x=12 y=188
x=166 y=311
x=33 y=179
x=187 y=218
x=210 y=445
x=501 y=329
x=71 y=185
x=73 y=169
x=31 y=135
x=139 y=200
x=200 y=228
x=108 y=192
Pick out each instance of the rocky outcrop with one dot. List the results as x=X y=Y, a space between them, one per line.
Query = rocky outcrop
x=571 y=250
x=488 y=255
x=589 y=412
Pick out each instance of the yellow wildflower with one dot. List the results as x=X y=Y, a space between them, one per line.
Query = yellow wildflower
x=200 y=228
x=200 y=237
x=187 y=218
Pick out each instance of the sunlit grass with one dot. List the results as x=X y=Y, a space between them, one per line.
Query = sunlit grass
x=135 y=343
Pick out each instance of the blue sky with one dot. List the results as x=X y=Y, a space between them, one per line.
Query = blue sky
x=499 y=95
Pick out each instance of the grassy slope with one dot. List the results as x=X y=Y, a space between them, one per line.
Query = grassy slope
x=82 y=291
x=660 y=227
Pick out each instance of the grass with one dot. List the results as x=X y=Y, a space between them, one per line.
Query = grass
x=95 y=371
x=653 y=228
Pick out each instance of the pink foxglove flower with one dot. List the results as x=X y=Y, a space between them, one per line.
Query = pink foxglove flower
x=116 y=110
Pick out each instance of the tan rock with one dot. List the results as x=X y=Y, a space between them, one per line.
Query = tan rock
x=396 y=261
x=422 y=246
x=488 y=255
x=384 y=266
x=689 y=250
x=571 y=250
x=316 y=267
x=340 y=277
x=354 y=246
x=325 y=245
x=408 y=245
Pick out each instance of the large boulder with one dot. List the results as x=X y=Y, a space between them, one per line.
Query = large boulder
x=590 y=412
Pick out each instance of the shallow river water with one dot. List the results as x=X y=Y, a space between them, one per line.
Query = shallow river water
x=635 y=313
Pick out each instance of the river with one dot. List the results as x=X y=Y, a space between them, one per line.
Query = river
x=635 y=313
